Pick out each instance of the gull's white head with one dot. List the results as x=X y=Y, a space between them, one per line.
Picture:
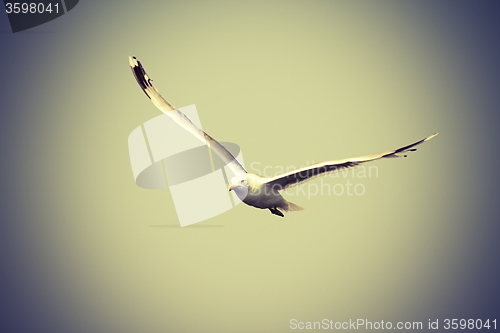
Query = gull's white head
x=244 y=183
x=239 y=183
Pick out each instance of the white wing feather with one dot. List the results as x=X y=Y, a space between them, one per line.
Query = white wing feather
x=180 y=118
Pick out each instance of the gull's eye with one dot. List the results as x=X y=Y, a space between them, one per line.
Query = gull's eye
x=242 y=181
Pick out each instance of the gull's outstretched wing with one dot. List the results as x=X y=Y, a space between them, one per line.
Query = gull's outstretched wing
x=180 y=118
x=295 y=177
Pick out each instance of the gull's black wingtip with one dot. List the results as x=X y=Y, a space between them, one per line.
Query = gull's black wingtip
x=132 y=60
x=140 y=74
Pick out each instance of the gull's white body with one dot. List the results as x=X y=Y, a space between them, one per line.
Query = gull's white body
x=256 y=191
x=252 y=189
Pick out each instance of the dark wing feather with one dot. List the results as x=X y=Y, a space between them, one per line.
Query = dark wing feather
x=295 y=177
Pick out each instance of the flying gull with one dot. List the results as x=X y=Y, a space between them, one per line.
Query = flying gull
x=252 y=189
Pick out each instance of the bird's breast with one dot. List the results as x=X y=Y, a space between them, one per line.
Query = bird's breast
x=261 y=197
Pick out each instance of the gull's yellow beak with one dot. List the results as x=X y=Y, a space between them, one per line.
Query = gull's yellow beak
x=232 y=187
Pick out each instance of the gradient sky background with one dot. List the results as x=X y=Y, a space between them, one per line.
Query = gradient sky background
x=83 y=249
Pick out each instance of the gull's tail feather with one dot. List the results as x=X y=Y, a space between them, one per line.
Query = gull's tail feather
x=290 y=207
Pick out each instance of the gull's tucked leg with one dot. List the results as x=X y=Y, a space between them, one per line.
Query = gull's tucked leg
x=275 y=211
